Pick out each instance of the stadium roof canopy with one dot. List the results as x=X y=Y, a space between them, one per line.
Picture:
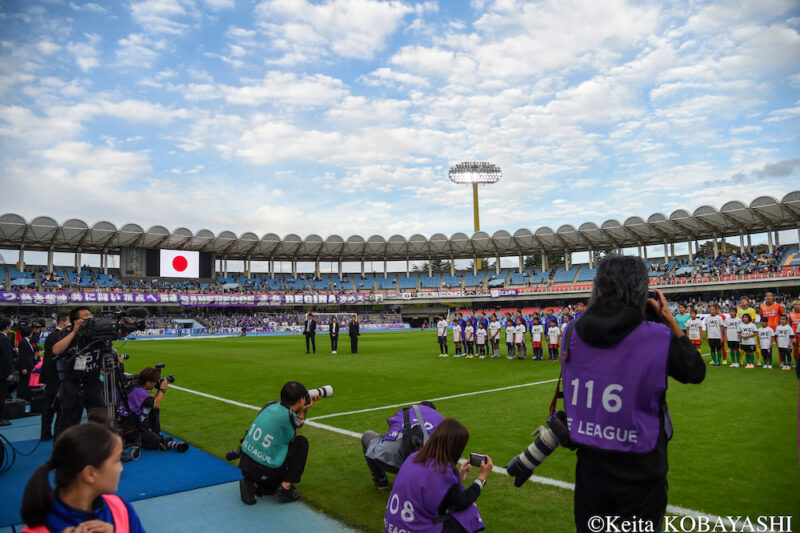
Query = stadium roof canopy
x=732 y=219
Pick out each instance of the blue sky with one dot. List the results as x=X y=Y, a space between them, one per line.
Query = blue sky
x=343 y=116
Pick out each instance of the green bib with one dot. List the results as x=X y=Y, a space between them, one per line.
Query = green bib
x=269 y=436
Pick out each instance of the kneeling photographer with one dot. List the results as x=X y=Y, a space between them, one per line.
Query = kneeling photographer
x=409 y=429
x=616 y=360
x=273 y=455
x=139 y=412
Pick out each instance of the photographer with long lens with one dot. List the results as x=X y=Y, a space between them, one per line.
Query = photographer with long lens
x=615 y=364
x=273 y=455
x=86 y=351
x=81 y=387
x=139 y=415
x=409 y=429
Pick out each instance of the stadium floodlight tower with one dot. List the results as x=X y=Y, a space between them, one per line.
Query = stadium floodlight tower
x=475 y=173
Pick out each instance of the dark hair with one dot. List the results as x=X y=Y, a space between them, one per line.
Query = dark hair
x=428 y=403
x=148 y=373
x=621 y=281
x=25 y=331
x=38 y=348
x=291 y=392
x=77 y=447
x=748 y=316
x=4 y=323
x=75 y=313
x=61 y=317
x=445 y=446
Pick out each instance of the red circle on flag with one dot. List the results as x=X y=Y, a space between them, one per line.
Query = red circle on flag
x=180 y=263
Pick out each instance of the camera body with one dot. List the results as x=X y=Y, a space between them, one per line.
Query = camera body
x=477 y=459
x=650 y=314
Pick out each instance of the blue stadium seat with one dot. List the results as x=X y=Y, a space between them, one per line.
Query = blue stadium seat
x=586 y=273
x=386 y=283
x=472 y=280
x=431 y=282
x=452 y=282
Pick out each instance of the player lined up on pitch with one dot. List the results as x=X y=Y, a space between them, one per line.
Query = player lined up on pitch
x=748 y=336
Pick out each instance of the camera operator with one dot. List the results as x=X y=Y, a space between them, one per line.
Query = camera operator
x=386 y=453
x=140 y=421
x=273 y=454
x=81 y=387
x=51 y=375
x=6 y=365
x=615 y=382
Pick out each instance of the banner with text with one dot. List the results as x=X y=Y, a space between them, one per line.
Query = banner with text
x=183 y=300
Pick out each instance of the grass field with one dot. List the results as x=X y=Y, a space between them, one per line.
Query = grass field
x=734 y=451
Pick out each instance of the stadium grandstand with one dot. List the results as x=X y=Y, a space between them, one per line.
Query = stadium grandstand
x=719 y=263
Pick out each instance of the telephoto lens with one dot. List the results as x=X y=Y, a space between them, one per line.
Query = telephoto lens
x=322 y=392
x=523 y=465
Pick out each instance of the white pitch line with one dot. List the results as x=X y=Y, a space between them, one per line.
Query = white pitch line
x=433 y=399
x=674 y=509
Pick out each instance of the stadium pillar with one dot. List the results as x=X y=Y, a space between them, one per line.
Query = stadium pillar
x=521 y=263
x=294 y=269
x=716 y=248
x=749 y=242
x=777 y=239
x=316 y=268
x=639 y=250
x=691 y=256
x=474 y=266
x=544 y=261
x=453 y=263
x=362 y=267
x=497 y=265
x=340 y=269
x=672 y=249
x=567 y=259
x=50 y=260
x=21 y=261
x=591 y=259
x=769 y=241
x=430 y=268
x=666 y=253
x=645 y=253
x=408 y=269
x=77 y=261
x=385 y=268
x=741 y=243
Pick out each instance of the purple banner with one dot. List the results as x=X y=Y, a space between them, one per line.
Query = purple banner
x=183 y=300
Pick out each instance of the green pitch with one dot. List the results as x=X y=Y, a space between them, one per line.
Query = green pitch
x=734 y=450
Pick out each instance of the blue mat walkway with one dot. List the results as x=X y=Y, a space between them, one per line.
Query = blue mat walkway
x=163 y=484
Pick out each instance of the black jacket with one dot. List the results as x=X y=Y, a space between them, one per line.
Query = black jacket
x=25 y=360
x=334 y=331
x=353 y=329
x=310 y=327
x=49 y=375
x=7 y=356
x=607 y=327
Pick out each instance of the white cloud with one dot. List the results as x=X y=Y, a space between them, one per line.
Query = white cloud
x=89 y=6
x=139 y=50
x=86 y=53
x=348 y=28
x=158 y=16
x=284 y=88
x=779 y=115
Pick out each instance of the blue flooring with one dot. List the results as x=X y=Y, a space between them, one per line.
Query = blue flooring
x=171 y=491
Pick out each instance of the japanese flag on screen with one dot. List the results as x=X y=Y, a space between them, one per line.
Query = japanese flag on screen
x=180 y=264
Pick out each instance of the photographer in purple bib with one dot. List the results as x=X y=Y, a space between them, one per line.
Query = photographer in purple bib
x=428 y=495
x=409 y=429
x=615 y=364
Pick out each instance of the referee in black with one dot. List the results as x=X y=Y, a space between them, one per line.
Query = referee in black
x=353 y=331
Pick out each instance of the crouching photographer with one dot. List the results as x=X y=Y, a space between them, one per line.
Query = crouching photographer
x=409 y=429
x=273 y=455
x=139 y=411
x=616 y=360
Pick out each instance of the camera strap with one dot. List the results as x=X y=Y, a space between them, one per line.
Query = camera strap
x=564 y=354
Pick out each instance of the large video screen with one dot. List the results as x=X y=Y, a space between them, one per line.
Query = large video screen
x=179 y=264
x=151 y=263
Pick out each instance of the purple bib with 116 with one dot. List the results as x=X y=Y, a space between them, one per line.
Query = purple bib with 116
x=612 y=395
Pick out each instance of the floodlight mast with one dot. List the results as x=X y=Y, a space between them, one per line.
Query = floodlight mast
x=475 y=173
